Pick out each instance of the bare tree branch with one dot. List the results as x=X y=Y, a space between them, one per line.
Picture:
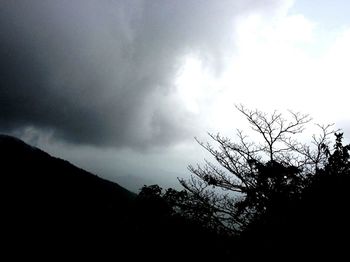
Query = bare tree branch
x=238 y=187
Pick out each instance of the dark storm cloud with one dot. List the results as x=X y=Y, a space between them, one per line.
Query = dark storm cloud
x=102 y=72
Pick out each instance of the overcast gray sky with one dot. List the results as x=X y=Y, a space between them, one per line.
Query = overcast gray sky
x=122 y=87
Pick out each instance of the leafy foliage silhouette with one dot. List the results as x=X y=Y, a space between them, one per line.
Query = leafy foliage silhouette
x=276 y=197
x=317 y=223
x=254 y=178
x=163 y=224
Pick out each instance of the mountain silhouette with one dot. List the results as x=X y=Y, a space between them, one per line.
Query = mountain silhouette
x=49 y=204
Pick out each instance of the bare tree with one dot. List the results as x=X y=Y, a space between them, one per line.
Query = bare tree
x=248 y=177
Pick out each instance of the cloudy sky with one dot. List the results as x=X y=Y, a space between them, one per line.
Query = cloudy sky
x=121 y=87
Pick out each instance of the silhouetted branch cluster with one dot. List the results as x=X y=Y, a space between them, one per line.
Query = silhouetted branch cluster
x=249 y=178
x=269 y=199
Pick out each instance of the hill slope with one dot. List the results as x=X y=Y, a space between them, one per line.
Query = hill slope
x=45 y=199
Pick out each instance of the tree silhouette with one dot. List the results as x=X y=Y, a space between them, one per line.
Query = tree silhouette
x=251 y=179
x=164 y=220
x=316 y=224
x=261 y=199
x=338 y=162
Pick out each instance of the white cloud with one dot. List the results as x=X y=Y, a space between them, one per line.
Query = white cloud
x=274 y=68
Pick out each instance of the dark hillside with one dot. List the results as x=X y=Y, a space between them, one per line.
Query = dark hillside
x=48 y=202
x=51 y=206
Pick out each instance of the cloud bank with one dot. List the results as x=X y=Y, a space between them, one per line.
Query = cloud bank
x=103 y=72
